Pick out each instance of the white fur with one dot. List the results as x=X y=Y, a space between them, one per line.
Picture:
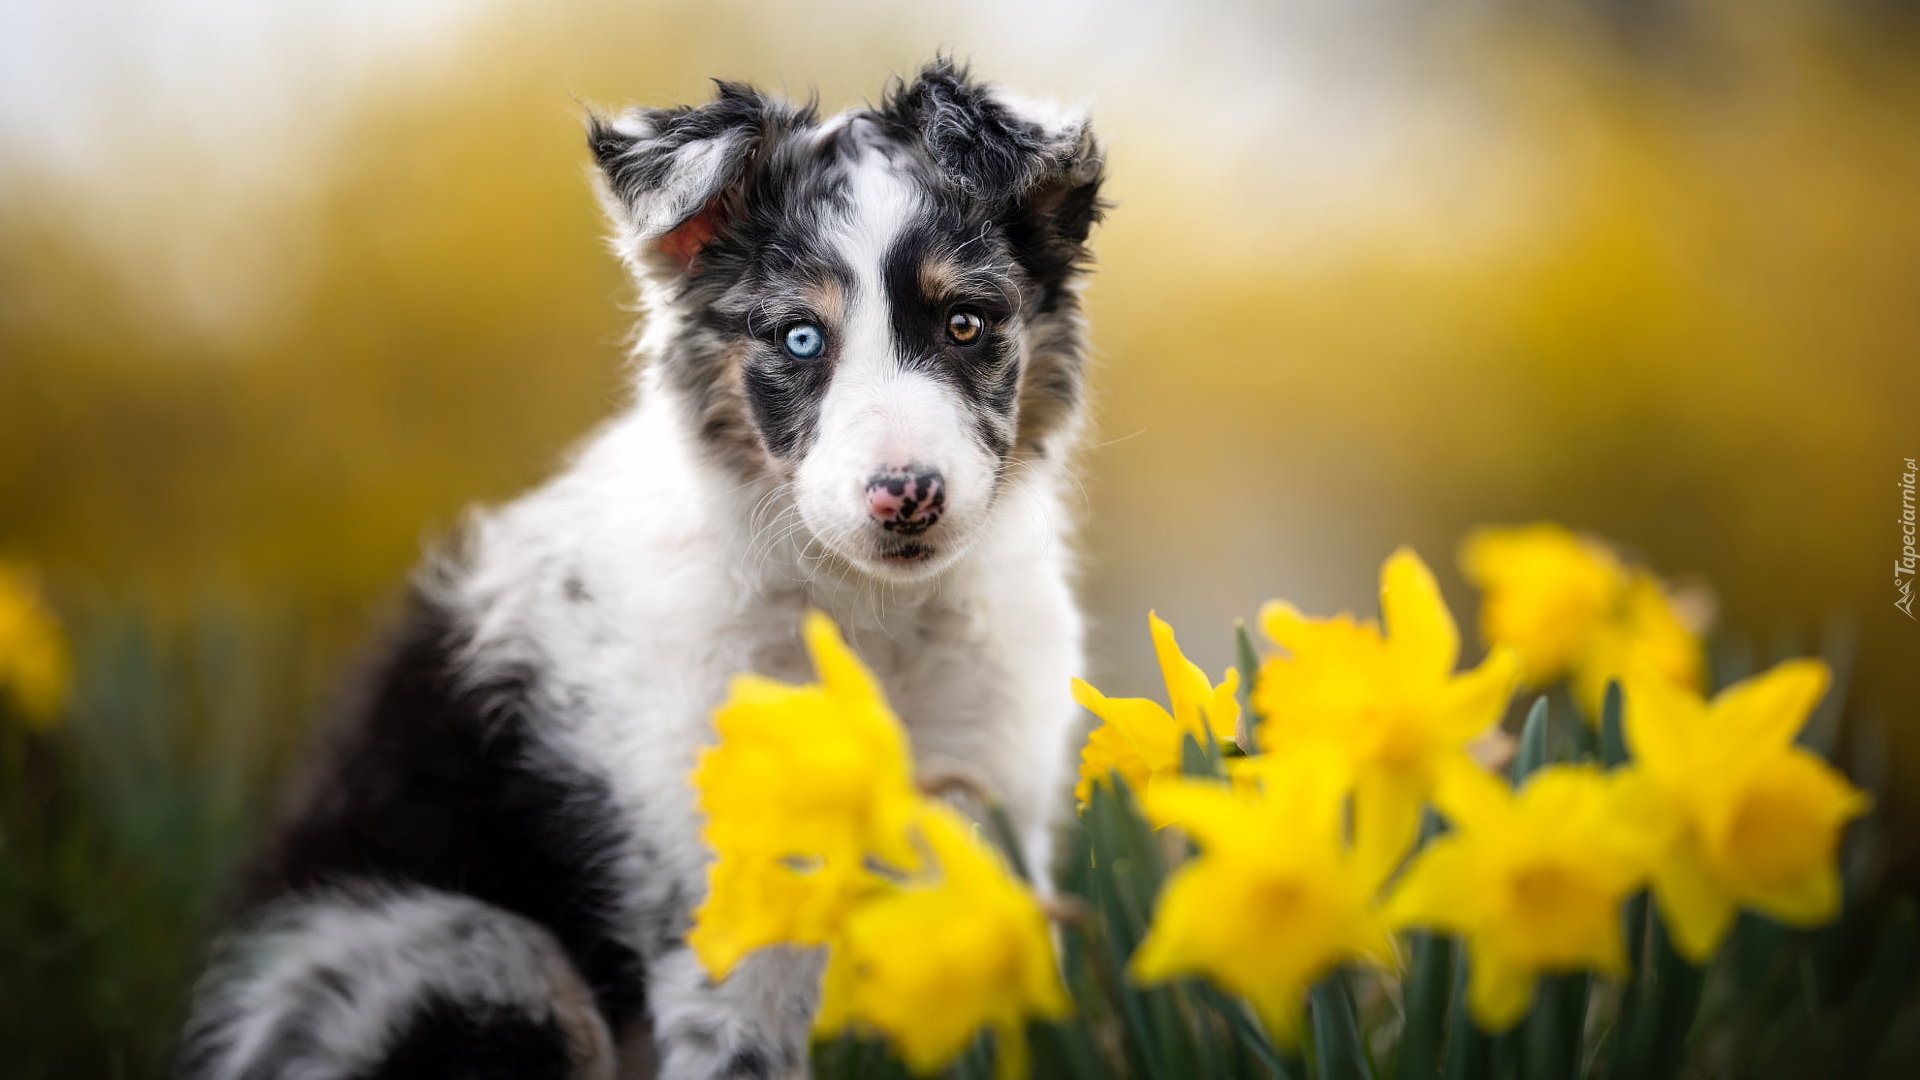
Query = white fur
x=694 y=579
x=880 y=416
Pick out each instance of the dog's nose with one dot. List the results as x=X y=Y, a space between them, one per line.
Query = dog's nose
x=906 y=500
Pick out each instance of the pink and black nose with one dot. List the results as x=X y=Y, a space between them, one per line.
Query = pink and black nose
x=907 y=501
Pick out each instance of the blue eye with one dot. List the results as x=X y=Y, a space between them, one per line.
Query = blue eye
x=805 y=341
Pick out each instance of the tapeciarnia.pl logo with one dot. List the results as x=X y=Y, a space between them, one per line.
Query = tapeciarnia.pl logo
x=1903 y=566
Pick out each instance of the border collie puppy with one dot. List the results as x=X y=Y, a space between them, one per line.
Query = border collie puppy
x=859 y=377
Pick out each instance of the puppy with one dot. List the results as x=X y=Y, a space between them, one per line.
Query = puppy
x=860 y=376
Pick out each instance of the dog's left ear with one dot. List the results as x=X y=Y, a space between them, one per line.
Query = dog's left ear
x=1041 y=173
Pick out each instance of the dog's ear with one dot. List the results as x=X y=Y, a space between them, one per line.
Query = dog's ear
x=1041 y=171
x=673 y=175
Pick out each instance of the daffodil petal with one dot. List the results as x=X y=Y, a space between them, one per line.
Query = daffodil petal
x=1660 y=722
x=1281 y=1014
x=1386 y=821
x=1768 y=710
x=1547 y=591
x=1777 y=851
x=1283 y=623
x=1469 y=796
x=840 y=671
x=1167 y=951
x=1209 y=812
x=1475 y=701
x=1417 y=620
x=1437 y=891
x=1809 y=901
x=1697 y=909
x=1188 y=690
x=1499 y=993
x=1010 y=1050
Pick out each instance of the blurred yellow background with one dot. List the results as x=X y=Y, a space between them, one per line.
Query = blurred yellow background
x=282 y=290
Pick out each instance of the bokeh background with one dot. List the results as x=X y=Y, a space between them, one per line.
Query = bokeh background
x=284 y=287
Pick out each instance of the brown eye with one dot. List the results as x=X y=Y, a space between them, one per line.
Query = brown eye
x=965 y=328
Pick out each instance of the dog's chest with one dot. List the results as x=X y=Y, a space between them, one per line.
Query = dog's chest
x=646 y=685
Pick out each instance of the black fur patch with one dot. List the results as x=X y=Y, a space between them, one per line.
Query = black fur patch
x=438 y=784
x=992 y=153
x=986 y=373
x=748 y=1063
x=447 y=1040
x=640 y=166
x=1041 y=189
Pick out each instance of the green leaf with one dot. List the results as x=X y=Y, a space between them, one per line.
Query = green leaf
x=1200 y=761
x=1429 y=982
x=1128 y=874
x=1550 y=1040
x=1065 y=1050
x=1247 y=1032
x=1613 y=739
x=1533 y=742
x=1120 y=923
x=1628 y=1021
x=1004 y=834
x=1469 y=1050
x=1653 y=1044
x=1427 y=988
x=1249 y=662
x=1586 y=740
x=1336 y=1032
x=1888 y=980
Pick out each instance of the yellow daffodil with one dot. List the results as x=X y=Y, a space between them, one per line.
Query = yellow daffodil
x=805 y=784
x=1547 y=591
x=1532 y=881
x=961 y=946
x=1388 y=703
x=1275 y=899
x=1141 y=740
x=1645 y=633
x=34 y=664
x=1757 y=820
x=1571 y=609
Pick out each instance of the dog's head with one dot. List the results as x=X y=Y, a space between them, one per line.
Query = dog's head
x=880 y=309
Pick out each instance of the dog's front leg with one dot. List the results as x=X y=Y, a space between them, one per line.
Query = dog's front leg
x=752 y=1026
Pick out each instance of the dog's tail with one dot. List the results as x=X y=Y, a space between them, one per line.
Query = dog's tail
x=385 y=984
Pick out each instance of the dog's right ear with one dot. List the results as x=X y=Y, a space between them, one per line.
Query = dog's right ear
x=673 y=175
